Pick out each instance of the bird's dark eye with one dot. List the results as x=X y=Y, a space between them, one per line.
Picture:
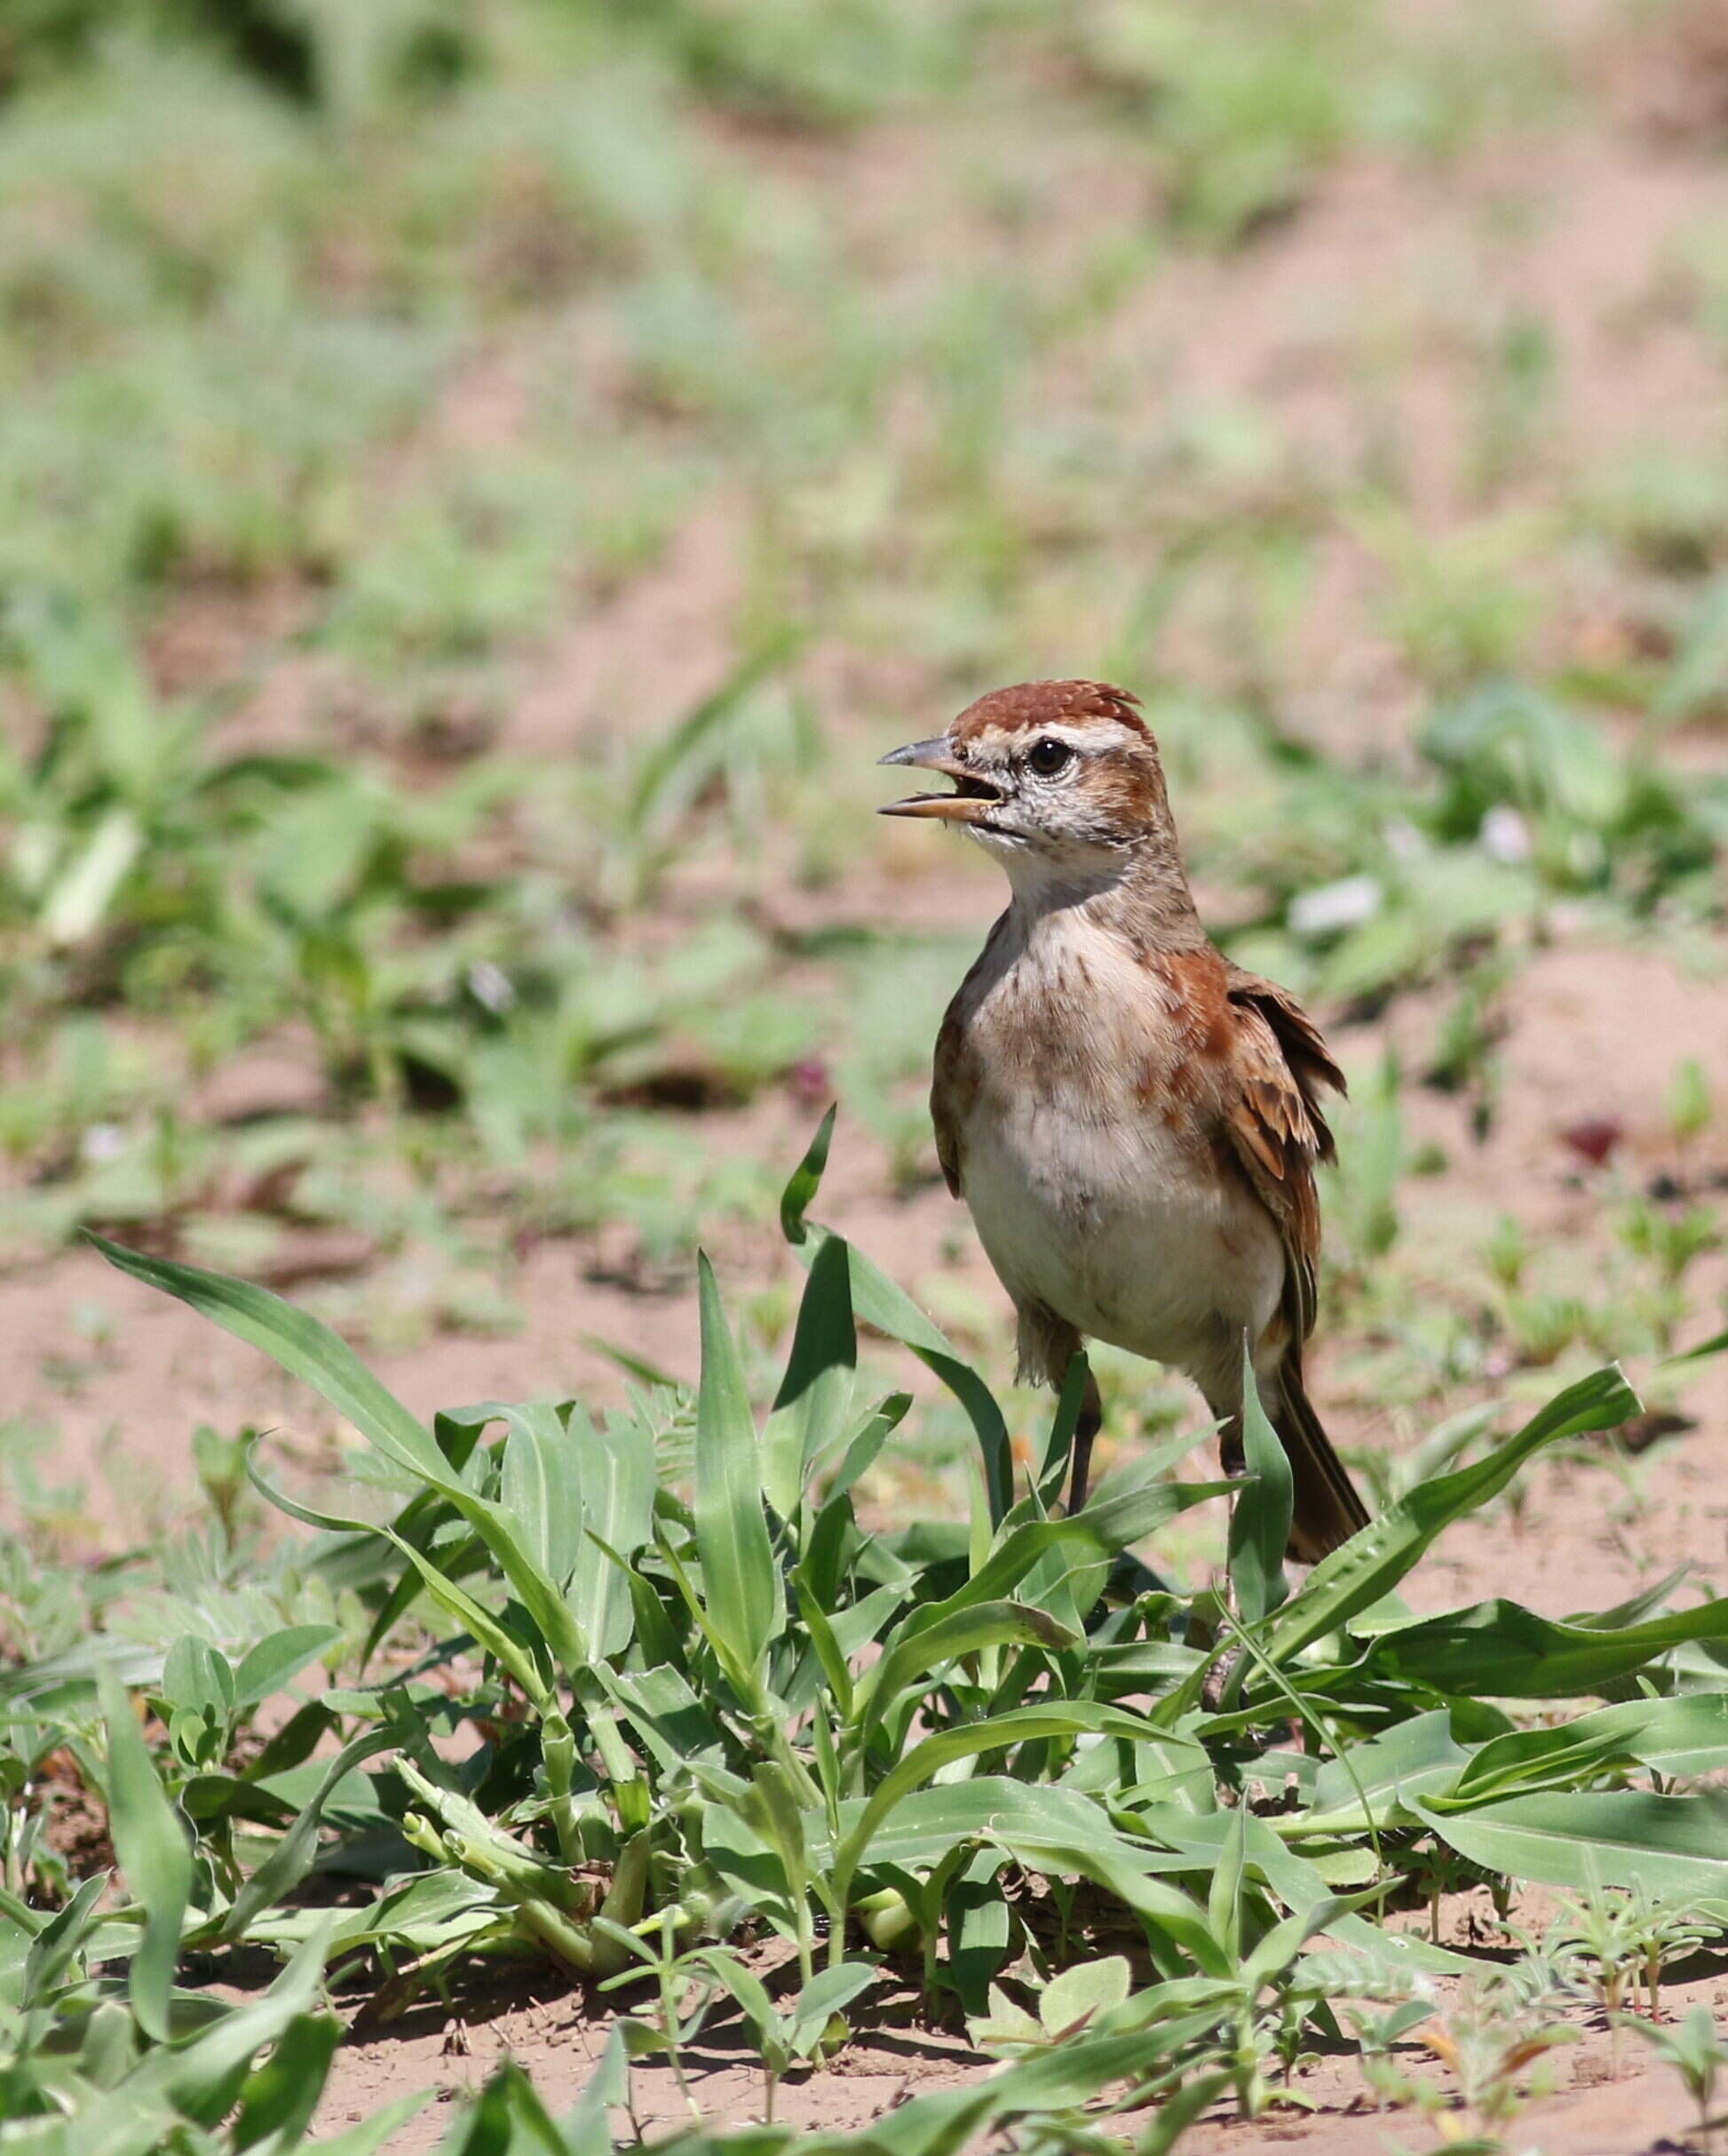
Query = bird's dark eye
x=1048 y=756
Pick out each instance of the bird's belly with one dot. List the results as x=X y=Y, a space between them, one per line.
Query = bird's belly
x=1123 y=1234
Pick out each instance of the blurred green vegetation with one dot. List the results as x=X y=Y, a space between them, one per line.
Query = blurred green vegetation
x=369 y=865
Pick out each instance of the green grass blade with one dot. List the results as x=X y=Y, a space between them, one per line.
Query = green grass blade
x=1067 y=1718
x=293 y=1856
x=310 y=1351
x=503 y=1645
x=265 y=1669
x=1103 y=1531
x=878 y=1303
x=540 y=1488
x=965 y=1631
x=1501 y=1650
x=1419 y=1757
x=155 y=1855
x=1675 y=1846
x=811 y=1410
x=1224 y=1898
x=303 y=1347
x=805 y=1180
x=618 y=1488
x=1376 y=1558
x=1260 y=1524
x=740 y=1582
x=1680 y=1737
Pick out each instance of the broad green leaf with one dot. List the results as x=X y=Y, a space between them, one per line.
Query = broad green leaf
x=1260 y=1524
x=1103 y=1530
x=809 y=1411
x=996 y=1732
x=1070 y=2001
x=1005 y=2025
x=1121 y=1870
x=771 y=1811
x=830 y=1992
x=618 y=1495
x=1198 y=1838
x=1501 y=1650
x=1223 y=1894
x=292 y=1857
x=876 y=1302
x=923 y=1826
x=1048 y=1830
x=1680 y=1737
x=1377 y=1556
x=281 y=2094
x=1415 y=1758
x=540 y=1488
x=1674 y=1846
x=751 y=1993
x=740 y=1582
x=265 y=1669
x=966 y=1631
x=980 y=1927
x=154 y=1855
x=196 y=1678
x=749 y=1866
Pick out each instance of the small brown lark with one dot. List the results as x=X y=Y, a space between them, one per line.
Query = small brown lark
x=1133 y=1120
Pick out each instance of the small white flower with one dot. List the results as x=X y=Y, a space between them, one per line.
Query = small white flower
x=102 y=1142
x=1330 y=906
x=1505 y=836
x=491 y=985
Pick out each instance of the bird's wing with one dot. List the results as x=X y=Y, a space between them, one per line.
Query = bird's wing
x=945 y=1082
x=1272 y=1116
x=957 y=1074
x=1309 y=1061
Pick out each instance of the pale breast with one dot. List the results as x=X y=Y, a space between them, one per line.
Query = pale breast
x=1085 y=1118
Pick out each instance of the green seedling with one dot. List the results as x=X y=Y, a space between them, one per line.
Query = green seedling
x=1696 y=2053
x=712 y=1724
x=815 y=2027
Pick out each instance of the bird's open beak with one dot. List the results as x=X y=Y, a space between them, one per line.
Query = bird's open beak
x=970 y=804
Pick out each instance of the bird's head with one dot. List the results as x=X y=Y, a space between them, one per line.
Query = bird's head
x=1059 y=780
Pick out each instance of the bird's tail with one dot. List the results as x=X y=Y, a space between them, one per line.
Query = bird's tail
x=1328 y=1508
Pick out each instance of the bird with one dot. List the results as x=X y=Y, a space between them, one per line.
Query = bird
x=1132 y=1119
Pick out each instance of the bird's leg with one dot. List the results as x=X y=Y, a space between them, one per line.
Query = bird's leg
x=1088 y=1422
